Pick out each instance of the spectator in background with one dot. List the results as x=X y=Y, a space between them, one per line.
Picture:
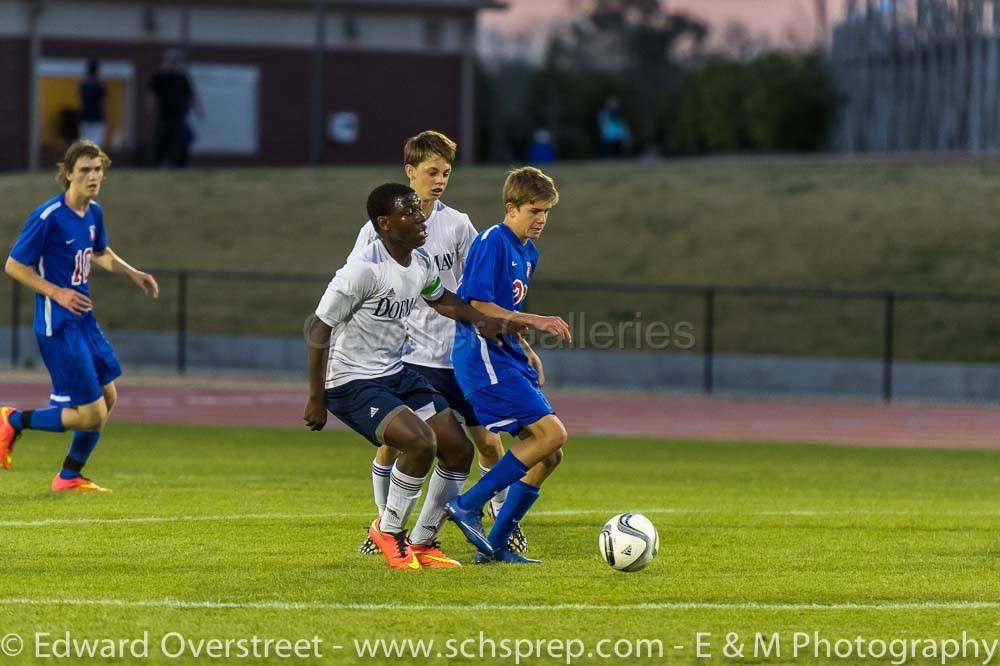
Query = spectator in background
x=615 y=135
x=542 y=150
x=92 y=93
x=173 y=95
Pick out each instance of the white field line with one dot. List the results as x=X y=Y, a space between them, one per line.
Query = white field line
x=665 y=606
x=791 y=513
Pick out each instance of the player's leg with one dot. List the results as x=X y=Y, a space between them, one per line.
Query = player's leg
x=454 y=452
x=385 y=456
x=490 y=450
x=416 y=443
x=521 y=496
x=511 y=405
x=76 y=391
x=92 y=417
x=454 y=455
x=90 y=421
x=544 y=437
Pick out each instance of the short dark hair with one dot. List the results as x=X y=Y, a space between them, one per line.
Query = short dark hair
x=92 y=66
x=382 y=200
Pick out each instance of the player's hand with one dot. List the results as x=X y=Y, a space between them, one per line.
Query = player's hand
x=72 y=300
x=494 y=329
x=553 y=326
x=315 y=414
x=146 y=282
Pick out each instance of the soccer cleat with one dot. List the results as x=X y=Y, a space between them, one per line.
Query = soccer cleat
x=430 y=556
x=516 y=542
x=368 y=547
x=471 y=525
x=80 y=484
x=506 y=557
x=7 y=438
x=395 y=547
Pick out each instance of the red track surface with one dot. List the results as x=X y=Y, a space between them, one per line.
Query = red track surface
x=848 y=423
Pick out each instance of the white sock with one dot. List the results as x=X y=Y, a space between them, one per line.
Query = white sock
x=499 y=498
x=443 y=486
x=404 y=491
x=380 y=484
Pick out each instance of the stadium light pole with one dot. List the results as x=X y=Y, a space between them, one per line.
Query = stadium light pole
x=319 y=52
x=35 y=10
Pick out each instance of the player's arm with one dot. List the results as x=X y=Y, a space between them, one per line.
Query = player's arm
x=533 y=359
x=70 y=299
x=318 y=339
x=111 y=262
x=552 y=325
x=453 y=307
x=344 y=295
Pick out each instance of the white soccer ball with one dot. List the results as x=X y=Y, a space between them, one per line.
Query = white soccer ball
x=628 y=542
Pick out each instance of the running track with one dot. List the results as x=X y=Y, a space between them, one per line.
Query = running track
x=685 y=417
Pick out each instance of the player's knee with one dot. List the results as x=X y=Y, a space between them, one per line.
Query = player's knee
x=92 y=421
x=556 y=437
x=458 y=454
x=423 y=441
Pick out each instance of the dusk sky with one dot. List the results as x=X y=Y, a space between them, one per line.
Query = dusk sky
x=764 y=18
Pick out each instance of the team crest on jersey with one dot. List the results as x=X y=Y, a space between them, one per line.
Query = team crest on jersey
x=93 y=233
x=520 y=291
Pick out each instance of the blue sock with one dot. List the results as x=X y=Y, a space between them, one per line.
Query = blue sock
x=520 y=497
x=503 y=474
x=49 y=420
x=14 y=418
x=79 y=451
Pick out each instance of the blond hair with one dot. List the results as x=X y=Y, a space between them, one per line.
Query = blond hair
x=428 y=145
x=78 y=149
x=529 y=184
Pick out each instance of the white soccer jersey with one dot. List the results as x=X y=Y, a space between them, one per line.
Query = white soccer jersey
x=431 y=336
x=367 y=303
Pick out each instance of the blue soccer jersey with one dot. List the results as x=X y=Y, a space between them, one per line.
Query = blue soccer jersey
x=497 y=270
x=60 y=245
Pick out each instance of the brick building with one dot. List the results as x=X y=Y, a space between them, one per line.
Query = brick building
x=386 y=69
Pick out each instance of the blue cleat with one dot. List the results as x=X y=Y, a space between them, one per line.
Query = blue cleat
x=505 y=557
x=471 y=525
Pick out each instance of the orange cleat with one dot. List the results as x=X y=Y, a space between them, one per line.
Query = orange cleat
x=7 y=438
x=430 y=556
x=80 y=484
x=395 y=547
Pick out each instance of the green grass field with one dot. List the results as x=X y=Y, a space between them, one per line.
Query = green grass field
x=832 y=222
x=264 y=524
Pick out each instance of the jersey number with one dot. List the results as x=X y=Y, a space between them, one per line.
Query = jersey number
x=82 y=271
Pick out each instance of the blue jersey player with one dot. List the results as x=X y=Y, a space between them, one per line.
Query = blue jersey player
x=53 y=256
x=503 y=383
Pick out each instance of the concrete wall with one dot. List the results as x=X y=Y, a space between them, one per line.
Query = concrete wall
x=775 y=375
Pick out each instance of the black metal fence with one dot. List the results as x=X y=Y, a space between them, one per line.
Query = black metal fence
x=708 y=295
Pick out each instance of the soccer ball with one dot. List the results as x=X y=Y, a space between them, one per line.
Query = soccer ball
x=628 y=542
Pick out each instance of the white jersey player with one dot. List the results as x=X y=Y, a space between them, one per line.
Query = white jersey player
x=428 y=159
x=356 y=372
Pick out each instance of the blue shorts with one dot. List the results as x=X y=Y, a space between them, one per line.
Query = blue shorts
x=368 y=405
x=444 y=382
x=510 y=405
x=80 y=361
